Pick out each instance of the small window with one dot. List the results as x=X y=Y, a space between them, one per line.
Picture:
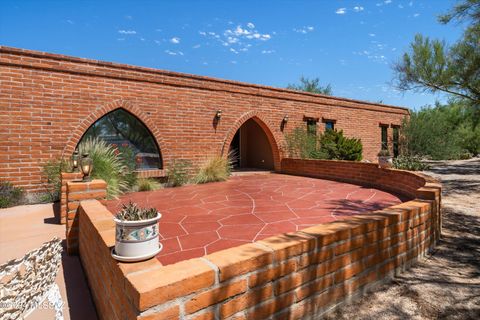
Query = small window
x=396 y=138
x=384 y=137
x=329 y=125
x=312 y=127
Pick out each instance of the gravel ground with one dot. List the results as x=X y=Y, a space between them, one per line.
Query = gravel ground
x=446 y=285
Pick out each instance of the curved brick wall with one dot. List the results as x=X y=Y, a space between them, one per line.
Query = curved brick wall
x=289 y=276
x=48 y=101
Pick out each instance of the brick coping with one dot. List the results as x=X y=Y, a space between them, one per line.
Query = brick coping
x=348 y=255
x=200 y=81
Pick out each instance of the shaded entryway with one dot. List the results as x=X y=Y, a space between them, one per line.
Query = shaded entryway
x=250 y=147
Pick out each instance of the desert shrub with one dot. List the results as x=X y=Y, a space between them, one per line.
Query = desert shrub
x=332 y=144
x=127 y=157
x=215 y=169
x=107 y=165
x=9 y=194
x=147 y=184
x=301 y=144
x=411 y=163
x=336 y=146
x=178 y=173
x=51 y=171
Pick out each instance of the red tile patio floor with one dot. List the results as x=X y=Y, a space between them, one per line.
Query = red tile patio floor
x=201 y=219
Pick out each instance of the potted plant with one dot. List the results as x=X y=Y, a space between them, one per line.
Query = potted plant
x=385 y=160
x=136 y=233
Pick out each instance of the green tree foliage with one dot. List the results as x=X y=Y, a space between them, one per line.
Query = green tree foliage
x=330 y=145
x=441 y=132
x=433 y=66
x=311 y=85
x=51 y=171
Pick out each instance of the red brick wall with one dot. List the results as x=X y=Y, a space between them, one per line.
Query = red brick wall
x=289 y=276
x=48 y=101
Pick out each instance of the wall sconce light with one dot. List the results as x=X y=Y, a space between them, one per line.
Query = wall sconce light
x=218 y=115
x=75 y=161
x=86 y=165
x=285 y=119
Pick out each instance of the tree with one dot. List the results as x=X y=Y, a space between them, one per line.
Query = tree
x=311 y=85
x=434 y=66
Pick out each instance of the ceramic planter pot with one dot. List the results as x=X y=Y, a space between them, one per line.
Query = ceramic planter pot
x=385 y=161
x=137 y=239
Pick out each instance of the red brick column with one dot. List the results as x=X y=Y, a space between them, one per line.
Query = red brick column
x=76 y=192
x=65 y=177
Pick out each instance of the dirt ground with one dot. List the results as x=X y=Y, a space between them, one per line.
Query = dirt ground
x=446 y=285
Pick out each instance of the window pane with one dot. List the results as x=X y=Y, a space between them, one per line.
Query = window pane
x=329 y=125
x=123 y=130
x=312 y=127
x=396 y=137
x=384 y=137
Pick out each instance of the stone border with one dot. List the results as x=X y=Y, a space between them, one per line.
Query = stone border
x=289 y=276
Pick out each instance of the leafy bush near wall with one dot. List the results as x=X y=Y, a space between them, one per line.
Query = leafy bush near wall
x=337 y=146
x=332 y=145
x=215 y=169
x=411 y=163
x=51 y=171
x=178 y=173
x=9 y=194
x=107 y=165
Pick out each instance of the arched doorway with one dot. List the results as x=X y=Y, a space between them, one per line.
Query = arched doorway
x=125 y=131
x=251 y=147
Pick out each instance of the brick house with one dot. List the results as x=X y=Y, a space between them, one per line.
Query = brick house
x=49 y=101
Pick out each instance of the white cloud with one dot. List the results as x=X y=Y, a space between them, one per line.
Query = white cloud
x=127 y=31
x=142 y=39
x=268 y=51
x=410 y=4
x=372 y=34
x=202 y=33
x=400 y=6
x=250 y=25
x=304 y=30
x=233 y=62
x=233 y=50
x=174 y=53
x=415 y=15
x=387 y=1
x=341 y=11
x=70 y=22
x=175 y=40
x=157 y=41
x=358 y=8
x=196 y=46
x=120 y=39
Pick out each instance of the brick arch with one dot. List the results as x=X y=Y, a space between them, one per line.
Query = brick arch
x=275 y=138
x=78 y=133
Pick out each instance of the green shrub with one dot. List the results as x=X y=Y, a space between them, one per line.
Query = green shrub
x=330 y=145
x=336 y=146
x=9 y=194
x=301 y=144
x=148 y=184
x=215 y=169
x=107 y=165
x=178 y=173
x=51 y=171
x=411 y=163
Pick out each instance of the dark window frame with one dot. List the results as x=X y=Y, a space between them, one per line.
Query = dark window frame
x=384 y=136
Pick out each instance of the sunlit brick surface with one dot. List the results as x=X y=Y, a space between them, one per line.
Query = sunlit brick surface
x=201 y=219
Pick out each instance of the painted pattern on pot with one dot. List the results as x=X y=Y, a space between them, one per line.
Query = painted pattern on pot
x=136 y=234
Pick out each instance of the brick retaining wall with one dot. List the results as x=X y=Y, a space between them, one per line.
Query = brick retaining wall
x=289 y=276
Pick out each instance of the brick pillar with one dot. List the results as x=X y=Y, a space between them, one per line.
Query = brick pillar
x=65 y=177
x=76 y=192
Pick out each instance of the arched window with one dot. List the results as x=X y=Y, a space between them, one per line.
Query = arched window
x=123 y=130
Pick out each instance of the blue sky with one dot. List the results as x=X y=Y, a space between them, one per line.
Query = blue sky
x=349 y=44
